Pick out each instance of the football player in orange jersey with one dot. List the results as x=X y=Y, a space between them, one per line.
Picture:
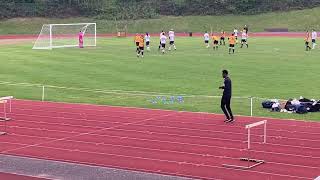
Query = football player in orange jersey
x=222 y=37
x=307 y=41
x=232 y=42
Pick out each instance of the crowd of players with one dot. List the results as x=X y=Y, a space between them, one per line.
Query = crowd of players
x=232 y=39
x=310 y=38
x=142 y=40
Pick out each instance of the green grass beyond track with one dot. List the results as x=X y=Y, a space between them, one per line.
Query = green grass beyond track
x=294 y=20
x=270 y=67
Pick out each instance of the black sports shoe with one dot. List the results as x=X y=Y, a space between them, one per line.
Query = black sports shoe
x=231 y=120
x=226 y=120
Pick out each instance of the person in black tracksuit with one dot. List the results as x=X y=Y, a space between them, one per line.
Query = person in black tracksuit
x=226 y=97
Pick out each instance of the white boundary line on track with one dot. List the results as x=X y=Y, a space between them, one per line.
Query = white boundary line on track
x=170 y=127
x=171 y=151
x=161 y=110
x=185 y=143
x=124 y=117
x=167 y=110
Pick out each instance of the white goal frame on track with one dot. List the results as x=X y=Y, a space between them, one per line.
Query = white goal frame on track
x=256 y=162
x=66 y=35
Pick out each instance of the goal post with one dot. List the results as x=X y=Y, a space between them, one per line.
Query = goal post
x=66 y=35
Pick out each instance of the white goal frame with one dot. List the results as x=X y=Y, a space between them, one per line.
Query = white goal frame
x=50 y=37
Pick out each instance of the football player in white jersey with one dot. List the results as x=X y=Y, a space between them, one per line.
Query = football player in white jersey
x=147 y=39
x=171 y=38
x=206 y=37
x=314 y=38
x=235 y=32
x=162 y=32
x=244 y=38
x=163 y=41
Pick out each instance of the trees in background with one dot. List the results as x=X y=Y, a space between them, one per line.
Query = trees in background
x=136 y=9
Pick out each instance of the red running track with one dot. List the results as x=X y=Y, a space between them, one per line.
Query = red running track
x=168 y=142
x=7 y=176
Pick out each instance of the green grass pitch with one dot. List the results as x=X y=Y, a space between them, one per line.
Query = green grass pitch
x=112 y=74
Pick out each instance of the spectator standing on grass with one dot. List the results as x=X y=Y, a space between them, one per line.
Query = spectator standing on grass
x=226 y=97
x=314 y=38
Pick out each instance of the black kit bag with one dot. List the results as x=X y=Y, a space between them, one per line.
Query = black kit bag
x=267 y=104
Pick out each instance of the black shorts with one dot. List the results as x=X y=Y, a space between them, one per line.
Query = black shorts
x=222 y=38
x=163 y=45
x=231 y=45
x=206 y=41
x=243 y=40
x=313 y=40
x=215 y=42
x=171 y=42
x=148 y=43
x=307 y=43
x=141 y=48
x=137 y=43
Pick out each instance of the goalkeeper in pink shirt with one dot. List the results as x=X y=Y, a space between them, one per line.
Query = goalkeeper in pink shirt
x=80 y=39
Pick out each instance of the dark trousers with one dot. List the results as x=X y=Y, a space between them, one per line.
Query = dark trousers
x=225 y=106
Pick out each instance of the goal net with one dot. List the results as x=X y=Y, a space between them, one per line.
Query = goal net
x=66 y=35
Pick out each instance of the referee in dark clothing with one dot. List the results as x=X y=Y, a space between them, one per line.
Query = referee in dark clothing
x=226 y=97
